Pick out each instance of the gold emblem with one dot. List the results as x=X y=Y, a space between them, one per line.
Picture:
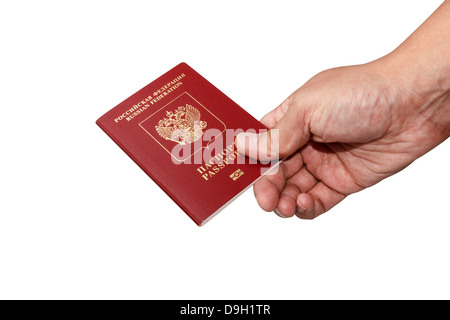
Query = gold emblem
x=237 y=174
x=182 y=126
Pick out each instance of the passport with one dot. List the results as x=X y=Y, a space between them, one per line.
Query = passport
x=180 y=131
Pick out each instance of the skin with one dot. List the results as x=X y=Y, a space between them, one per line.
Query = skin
x=348 y=128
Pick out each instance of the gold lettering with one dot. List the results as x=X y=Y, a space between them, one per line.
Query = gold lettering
x=218 y=162
x=151 y=99
x=201 y=169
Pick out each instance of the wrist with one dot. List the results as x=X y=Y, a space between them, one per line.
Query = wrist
x=420 y=96
x=419 y=69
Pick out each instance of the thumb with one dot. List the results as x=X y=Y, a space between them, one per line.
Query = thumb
x=288 y=135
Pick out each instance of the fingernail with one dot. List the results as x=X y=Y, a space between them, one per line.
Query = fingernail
x=240 y=141
x=300 y=208
x=279 y=213
x=244 y=140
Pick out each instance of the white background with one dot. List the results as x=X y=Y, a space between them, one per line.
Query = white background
x=80 y=220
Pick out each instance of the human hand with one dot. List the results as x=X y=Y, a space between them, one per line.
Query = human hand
x=348 y=128
x=344 y=130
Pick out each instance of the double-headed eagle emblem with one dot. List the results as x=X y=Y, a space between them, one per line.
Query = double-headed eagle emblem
x=182 y=126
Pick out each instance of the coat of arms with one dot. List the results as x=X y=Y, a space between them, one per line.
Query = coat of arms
x=182 y=126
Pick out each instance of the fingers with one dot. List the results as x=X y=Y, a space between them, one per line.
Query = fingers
x=300 y=182
x=287 y=204
x=268 y=190
x=295 y=191
x=288 y=133
x=318 y=200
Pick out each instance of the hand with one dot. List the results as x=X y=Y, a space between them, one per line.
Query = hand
x=349 y=128
x=344 y=130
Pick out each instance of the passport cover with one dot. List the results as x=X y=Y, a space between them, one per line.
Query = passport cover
x=177 y=130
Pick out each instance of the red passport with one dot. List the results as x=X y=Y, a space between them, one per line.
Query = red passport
x=180 y=130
